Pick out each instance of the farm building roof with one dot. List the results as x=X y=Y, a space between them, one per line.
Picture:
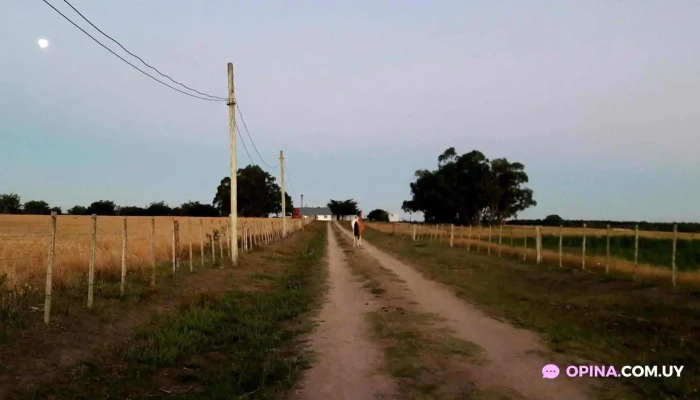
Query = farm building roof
x=314 y=211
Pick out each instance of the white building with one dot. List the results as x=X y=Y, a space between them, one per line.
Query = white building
x=393 y=217
x=316 y=213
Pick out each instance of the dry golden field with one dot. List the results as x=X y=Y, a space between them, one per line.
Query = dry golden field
x=25 y=239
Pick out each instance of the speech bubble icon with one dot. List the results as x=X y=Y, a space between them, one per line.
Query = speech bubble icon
x=550 y=371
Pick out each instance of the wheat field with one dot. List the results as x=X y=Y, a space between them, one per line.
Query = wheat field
x=25 y=239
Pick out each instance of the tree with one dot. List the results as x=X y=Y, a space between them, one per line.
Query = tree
x=158 y=209
x=552 y=220
x=78 y=210
x=469 y=188
x=197 y=209
x=257 y=194
x=378 y=215
x=10 y=204
x=133 y=211
x=343 y=207
x=37 y=207
x=57 y=210
x=102 y=207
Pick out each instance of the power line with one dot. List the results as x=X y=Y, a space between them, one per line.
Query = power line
x=251 y=139
x=140 y=59
x=244 y=146
x=121 y=58
x=289 y=177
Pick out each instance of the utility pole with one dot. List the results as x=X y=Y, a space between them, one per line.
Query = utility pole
x=284 y=202
x=302 y=200
x=234 y=187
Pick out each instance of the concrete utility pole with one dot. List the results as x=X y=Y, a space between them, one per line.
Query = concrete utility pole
x=284 y=202
x=234 y=169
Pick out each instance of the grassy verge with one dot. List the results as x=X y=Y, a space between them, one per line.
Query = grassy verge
x=22 y=308
x=605 y=318
x=420 y=352
x=241 y=345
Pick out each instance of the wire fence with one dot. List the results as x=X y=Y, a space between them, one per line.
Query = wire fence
x=669 y=255
x=57 y=252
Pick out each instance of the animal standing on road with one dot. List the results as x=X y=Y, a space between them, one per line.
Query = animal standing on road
x=357 y=227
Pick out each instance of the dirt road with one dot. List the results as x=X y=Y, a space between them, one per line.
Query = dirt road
x=514 y=357
x=348 y=365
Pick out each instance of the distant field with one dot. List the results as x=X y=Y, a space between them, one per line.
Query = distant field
x=654 y=255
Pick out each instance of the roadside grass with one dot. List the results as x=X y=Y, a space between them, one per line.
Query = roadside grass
x=24 y=306
x=244 y=344
x=608 y=319
x=421 y=354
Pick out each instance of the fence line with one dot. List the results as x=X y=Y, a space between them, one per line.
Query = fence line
x=604 y=250
x=61 y=254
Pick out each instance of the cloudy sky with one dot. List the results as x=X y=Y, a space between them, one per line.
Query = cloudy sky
x=599 y=99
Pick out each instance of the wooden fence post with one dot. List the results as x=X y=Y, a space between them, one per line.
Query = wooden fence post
x=414 y=232
x=538 y=243
x=489 y=245
x=500 y=237
x=512 y=236
x=213 y=243
x=153 y=251
x=673 y=255
x=201 y=239
x=174 y=257
x=561 y=240
x=122 y=286
x=49 y=270
x=189 y=233
x=221 y=249
x=607 y=249
x=91 y=271
x=229 y=241
x=478 y=238
x=452 y=235
x=469 y=238
x=525 y=247
x=583 y=249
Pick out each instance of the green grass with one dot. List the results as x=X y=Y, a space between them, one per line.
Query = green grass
x=651 y=251
x=608 y=319
x=242 y=345
x=22 y=308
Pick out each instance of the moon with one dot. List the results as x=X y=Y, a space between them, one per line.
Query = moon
x=43 y=43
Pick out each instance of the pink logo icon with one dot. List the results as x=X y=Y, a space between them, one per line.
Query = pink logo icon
x=550 y=371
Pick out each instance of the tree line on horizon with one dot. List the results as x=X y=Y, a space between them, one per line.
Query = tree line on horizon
x=258 y=196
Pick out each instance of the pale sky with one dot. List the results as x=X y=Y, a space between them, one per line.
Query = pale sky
x=599 y=99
